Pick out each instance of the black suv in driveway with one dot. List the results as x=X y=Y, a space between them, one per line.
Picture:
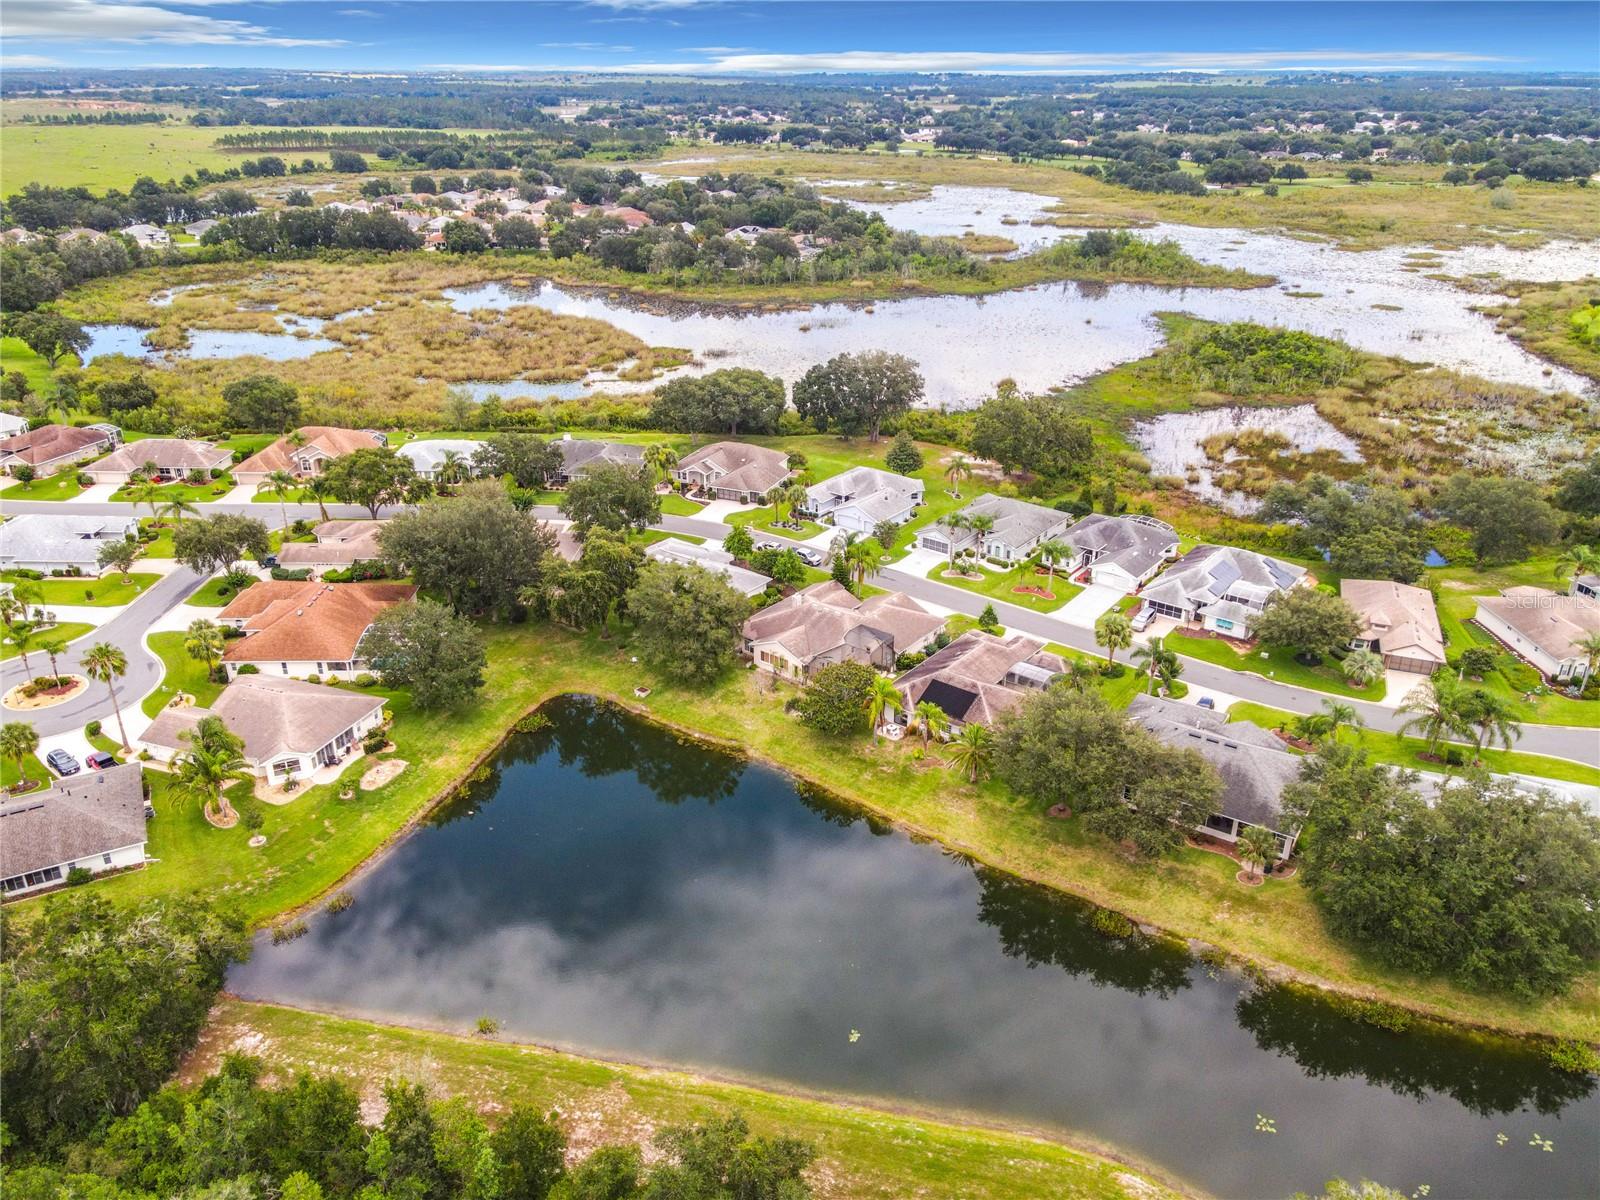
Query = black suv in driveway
x=62 y=763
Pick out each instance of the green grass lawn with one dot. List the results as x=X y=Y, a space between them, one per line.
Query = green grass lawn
x=317 y=839
x=203 y=493
x=104 y=741
x=1001 y=585
x=1459 y=589
x=39 y=775
x=109 y=591
x=214 y=593
x=864 y=1153
x=1279 y=664
x=63 y=485
x=64 y=631
x=183 y=674
x=651 y=536
x=761 y=520
x=16 y=356
x=674 y=505
x=1407 y=752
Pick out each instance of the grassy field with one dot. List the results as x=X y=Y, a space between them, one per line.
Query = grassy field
x=65 y=631
x=1002 y=585
x=183 y=674
x=63 y=485
x=195 y=494
x=15 y=356
x=1408 y=751
x=1541 y=320
x=317 y=839
x=109 y=591
x=863 y=1153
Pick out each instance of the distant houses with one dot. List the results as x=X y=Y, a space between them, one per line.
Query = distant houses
x=1542 y=627
x=1398 y=622
x=305 y=628
x=1018 y=529
x=861 y=498
x=61 y=541
x=734 y=471
x=50 y=448
x=826 y=624
x=11 y=425
x=979 y=676
x=94 y=822
x=289 y=727
x=307 y=453
x=1120 y=552
x=163 y=460
x=1222 y=588
x=1253 y=764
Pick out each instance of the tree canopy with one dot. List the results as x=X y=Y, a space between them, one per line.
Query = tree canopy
x=262 y=402
x=1508 y=518
x=373 y=478
x=219 y=541
x=1031 y=433
x=428 y=648
x=612 y=496
x=732 y=401
x=687 y=620
x=856 y=393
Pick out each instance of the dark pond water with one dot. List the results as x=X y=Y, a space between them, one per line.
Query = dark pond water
x=612 y=889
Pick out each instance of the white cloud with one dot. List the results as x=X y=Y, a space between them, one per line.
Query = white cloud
x=585 y=46
x=17 y=62
x=101 y=20
x=359 y=12
x=651 y=5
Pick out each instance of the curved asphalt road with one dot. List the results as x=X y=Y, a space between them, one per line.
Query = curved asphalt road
x=144 y=671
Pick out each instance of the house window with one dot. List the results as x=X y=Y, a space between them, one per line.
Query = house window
x=32 y=879
x=285 y=767
x=1224 y=623
x=106 y=859
x=1219 y=823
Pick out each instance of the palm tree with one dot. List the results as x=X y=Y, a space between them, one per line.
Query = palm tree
x=1257 y=845
x=972 y=750
x=882 y=698
x=1051 y=553
x=1492 y=719
x=775 y=496
x=176 y=506
x=1158 y=661
x=317 y=488
x=146 y=491
x=204 y=642
x=1340 y=714
x=280 y=484
x=1590 y=645
x=931 y=719
x=794 y=495
x=981 y=524
x=955 y=522
x=957 y=469
x=863 y=559
x=12 y=609
x=661 y=458
x=451 y=467
x=19 y=741
x=23 y=635
x=50 y=648
x=106 y=663
x=1435 y=707
x=213 y=762
x=1578 y=560
x=1114 y=631
x=1081 y=674
x=1362 y=667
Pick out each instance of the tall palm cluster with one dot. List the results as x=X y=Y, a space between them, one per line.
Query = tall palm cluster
x=1444 y=709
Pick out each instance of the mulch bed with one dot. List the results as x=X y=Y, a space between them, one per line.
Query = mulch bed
x=1023 y=590
x=1250 y=879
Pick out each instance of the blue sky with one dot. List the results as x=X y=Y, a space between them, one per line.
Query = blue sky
x=739 y=37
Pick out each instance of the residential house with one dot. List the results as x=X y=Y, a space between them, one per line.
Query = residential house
x=1585 y=585
x=733 y=471
x=712 y=558
x=61 y=542
x=581 y=455
x=430 y=455
x=1221 y=587
x=308 y=453
x=1398 y=622
x=289 y=727
x=1019 y=529
x=1542 y=627
x=862 y=497
x=94 y=821
x=825 y=624
x=339 y=544
x=147 y=235
x=171 y=458
x=306 y=628
x=1253 y=764
x=979 y=676
x=198 y=229
x=1120 y=552
x=49 y=448
x=11 y=425
x=633 y=218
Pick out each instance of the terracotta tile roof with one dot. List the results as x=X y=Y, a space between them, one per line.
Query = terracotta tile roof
x=331 y=440
x=306 y=622
x=50 y=442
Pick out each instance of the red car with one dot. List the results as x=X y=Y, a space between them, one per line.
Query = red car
x=100 y=760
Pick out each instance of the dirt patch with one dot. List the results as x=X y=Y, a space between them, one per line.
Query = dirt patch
x=381 y=774
x=1041 y=593
x=14 y=699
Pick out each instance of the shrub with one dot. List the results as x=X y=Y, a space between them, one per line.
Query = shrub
x=1574 y=1056
x=340 y=902
x=909 y=659
x=289 y=932
x=313 y=678
x=374 y=742
x=249 y=669
x=1521 y=676
x=1113 y=671
x=92 y=729
x=27 y=573
x=293 y=575
x=366 y=679
x=487 y=1027
x=78 y=875
x=85 y=479
x=1110 y=923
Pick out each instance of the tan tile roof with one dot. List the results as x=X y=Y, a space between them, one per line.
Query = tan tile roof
x=975 y=666
x=50 y=442
x=339 y=543
x=307 y=622
x=330 y=439
x=822 y=616
x=745 y=468
x=1400 y=618
x=271 y=714
x=173 y=454
x=1551 y=621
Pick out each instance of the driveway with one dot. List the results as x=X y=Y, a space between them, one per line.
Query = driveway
x=1085 y=608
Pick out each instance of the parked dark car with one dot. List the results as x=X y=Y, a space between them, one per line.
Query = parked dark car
x=1206 y=702
x=100 y=760
x=62 y=763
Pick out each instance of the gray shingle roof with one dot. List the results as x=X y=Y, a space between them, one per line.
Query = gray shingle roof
x=273 y=715
x=579 y=454
x=1016 y=522
x=171 y=454
x=1207 y=573
x=1134 y=543
x=48 y=537
x=89 y=814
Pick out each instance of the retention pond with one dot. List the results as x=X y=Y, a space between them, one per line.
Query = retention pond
x=615 y=889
